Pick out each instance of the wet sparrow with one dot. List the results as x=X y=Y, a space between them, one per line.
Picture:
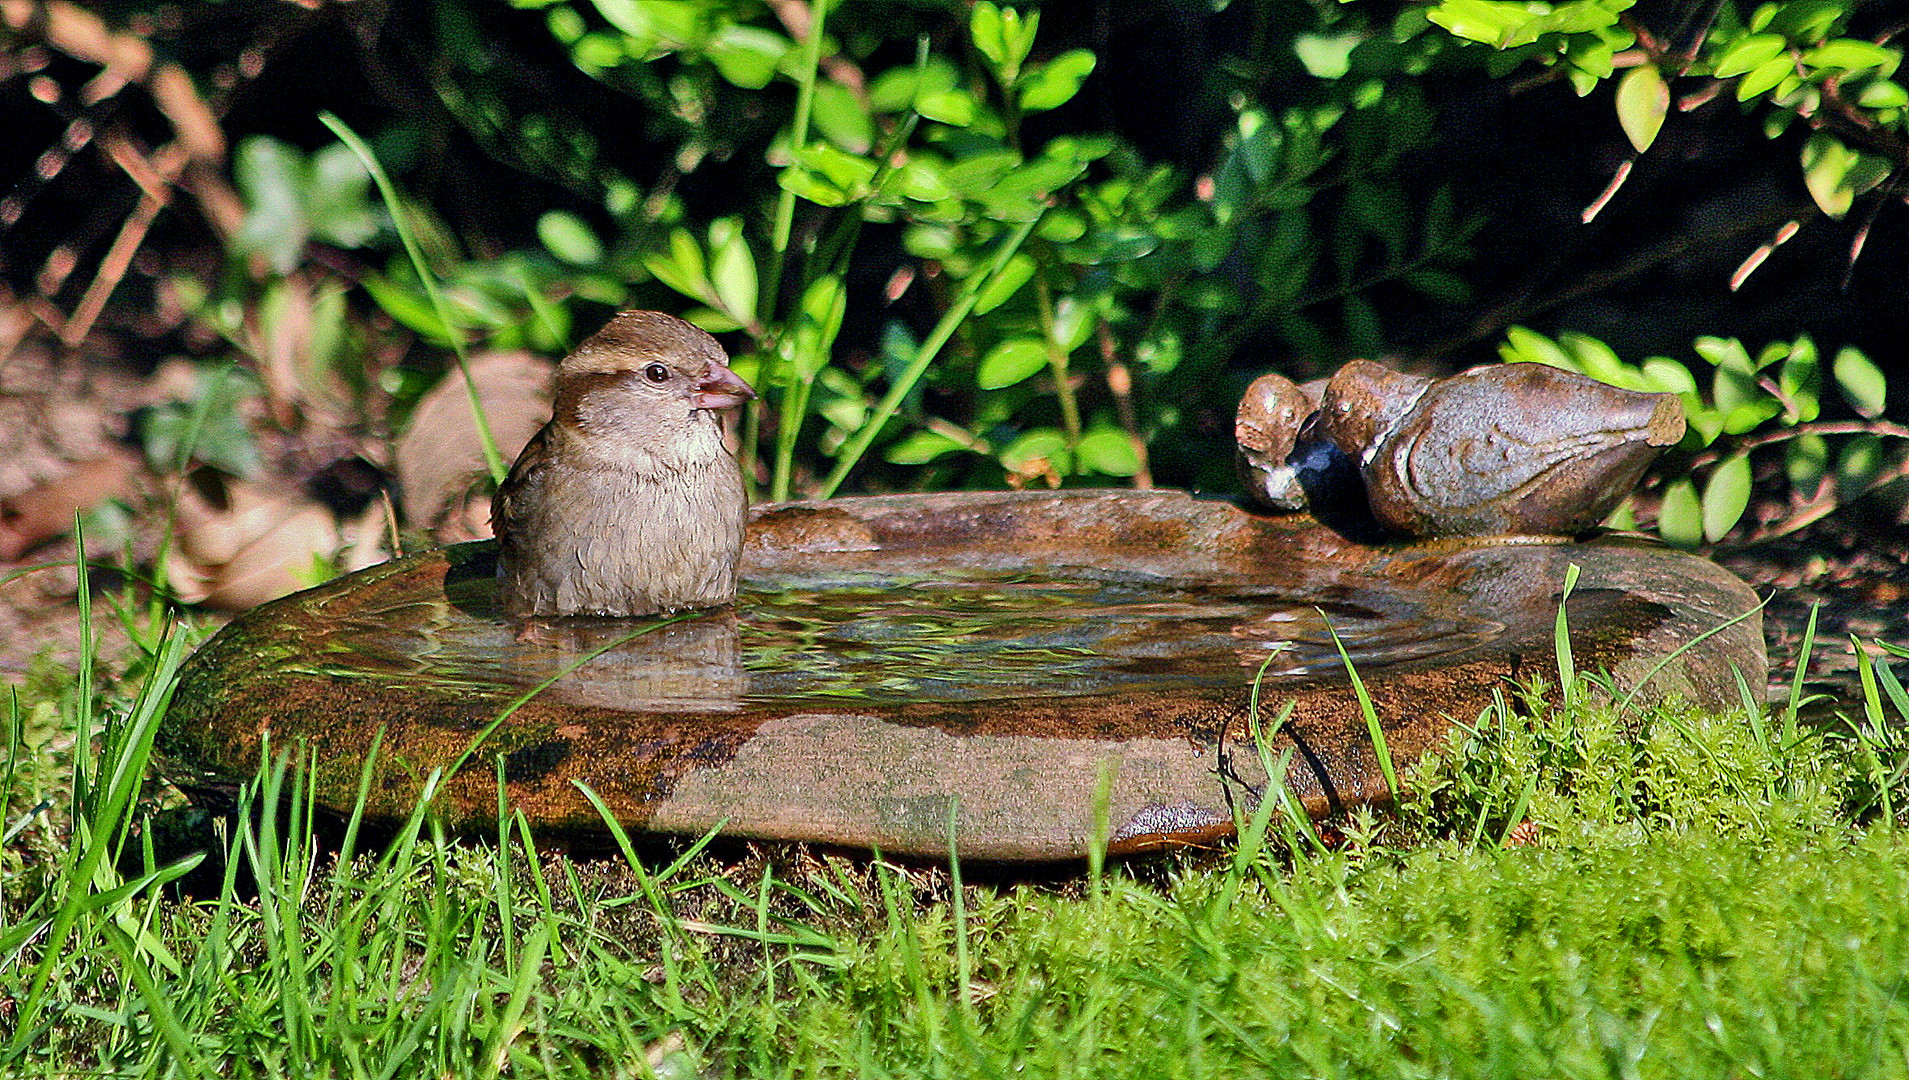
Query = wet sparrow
x=627 y=502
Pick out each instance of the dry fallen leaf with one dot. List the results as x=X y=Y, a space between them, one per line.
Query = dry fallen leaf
x=242 y=543
x=440 y=460
x=42 y=513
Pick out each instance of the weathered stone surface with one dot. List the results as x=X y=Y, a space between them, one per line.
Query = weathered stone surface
x=1003 y=653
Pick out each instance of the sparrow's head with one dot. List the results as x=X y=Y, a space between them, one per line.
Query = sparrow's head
x=648 y=385
x=661 y=358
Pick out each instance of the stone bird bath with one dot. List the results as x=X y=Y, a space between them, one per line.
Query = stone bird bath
x=1007 y=654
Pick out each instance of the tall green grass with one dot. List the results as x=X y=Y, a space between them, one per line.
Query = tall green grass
x=1708 y=895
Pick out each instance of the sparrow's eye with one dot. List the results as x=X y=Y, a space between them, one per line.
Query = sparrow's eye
x=656 y=373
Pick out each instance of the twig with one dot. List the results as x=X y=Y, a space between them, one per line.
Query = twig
x=155 y=194
x=1120 y=385
x=1885 y=428
x=1824 y=503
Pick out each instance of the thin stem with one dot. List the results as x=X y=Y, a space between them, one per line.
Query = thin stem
x=798 y=138
x=493 y=460
x=1120 y=385
x=1057 y=362
x=858 y=443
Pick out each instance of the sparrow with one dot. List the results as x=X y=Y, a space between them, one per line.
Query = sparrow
x=627 y=502
x=1500 y=450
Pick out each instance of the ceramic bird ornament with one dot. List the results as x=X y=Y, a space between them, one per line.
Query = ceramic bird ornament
x=1264 y=430
x=627 y=502
x=1502 y=450
x=1499 y=450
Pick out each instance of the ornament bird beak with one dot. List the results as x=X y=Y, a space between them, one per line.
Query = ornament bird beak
x=720 y=388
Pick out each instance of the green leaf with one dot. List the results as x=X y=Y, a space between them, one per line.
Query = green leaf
x=1802 y=21
x=732 y=269
x=1801 y=380
x=984 y=29
x=216 y=424
x=682 y=267
x=1040 y=444
x=1529 y=345
x=1005 y=284
x=1109 y=451
x=747 y=56
x=1836 y=174
x=919 y=448
x=1863 y=384
x=1725 y=353
x=1765 y=77
x=1598 y=360
x=920 y=178
x=953 y=107
x=1750 y=415
x=1666 y=376
x=1004 y=36
x=1073 y=323
x=337 y=198
x=1883 y=94
x=1642 y=101
x=565 y=235
x=1851 y=54
x=1858 y=464
x=1506 y=24
x=812 y=187
x=1056 y=82
x=1680 y=520
x=1327 y=56
x=632 y=17
x=1749 y=53
x=840 y=117
x=1805 y=460
x=271 y=175
x=823 y=305
x=1011 y=361
x=1488 y=21
x=849 y=172
x=897 y=88
x=1726 y=496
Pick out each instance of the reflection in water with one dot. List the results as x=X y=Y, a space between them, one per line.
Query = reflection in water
x=949 y=638
x=688 y=665
x=883 y=639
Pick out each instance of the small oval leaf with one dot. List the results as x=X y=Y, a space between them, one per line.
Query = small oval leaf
x=1011 y=361
x=952 y=107
x=1004 y=284
x=1863 y=384
x=1726 y=496
x=1680 y=520
x=1056 y=82
x=1642 y=101
x=564 y=235
x=1765 y=76
x=920 y=448
x=1108 y=451
x=732 y=269
x=1748 y=54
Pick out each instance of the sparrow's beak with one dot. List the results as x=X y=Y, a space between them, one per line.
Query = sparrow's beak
x=720 y=388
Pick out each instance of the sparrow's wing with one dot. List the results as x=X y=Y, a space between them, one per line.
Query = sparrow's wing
x=509 y=504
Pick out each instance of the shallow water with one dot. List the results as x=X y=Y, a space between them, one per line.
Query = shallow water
x=887 y=639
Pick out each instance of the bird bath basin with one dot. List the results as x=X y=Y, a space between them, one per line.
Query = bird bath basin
x=1017 y=658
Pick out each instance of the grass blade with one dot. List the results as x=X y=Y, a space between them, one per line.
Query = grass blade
x=1380 y=750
